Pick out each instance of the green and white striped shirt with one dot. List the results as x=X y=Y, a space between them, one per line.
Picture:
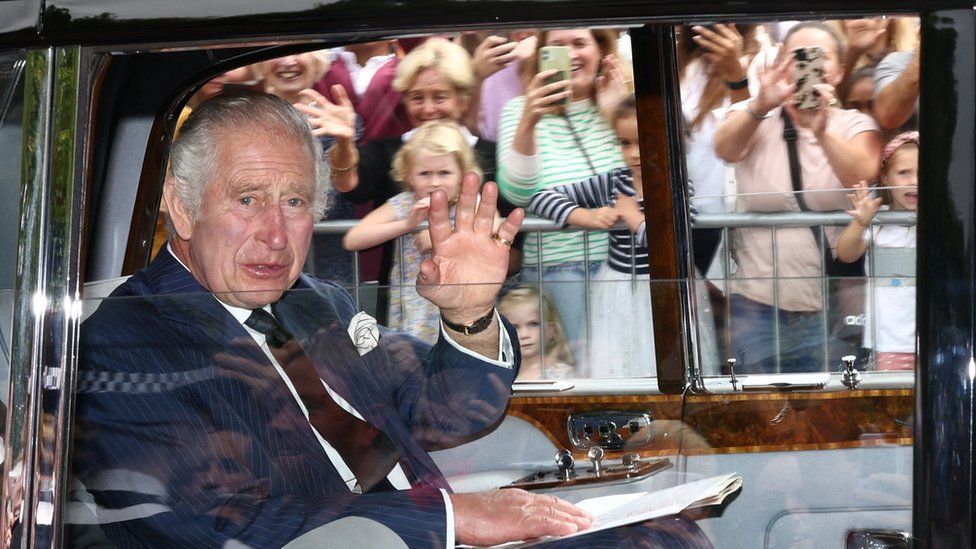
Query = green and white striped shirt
x=558 y=161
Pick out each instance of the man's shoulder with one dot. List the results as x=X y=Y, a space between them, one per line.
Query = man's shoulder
x=320 y=292
x=138 y=306
x=890 y=67
x=896 y=60
x=125 y=298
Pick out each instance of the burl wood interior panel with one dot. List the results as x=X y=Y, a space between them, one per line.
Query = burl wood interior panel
x=550 y=415
x=742 y=422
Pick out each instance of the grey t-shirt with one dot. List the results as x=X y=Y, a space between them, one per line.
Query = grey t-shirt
x=889 y=68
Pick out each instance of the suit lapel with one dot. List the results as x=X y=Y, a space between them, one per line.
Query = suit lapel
x=245 y=382
x=317 y=316
x=318 y=323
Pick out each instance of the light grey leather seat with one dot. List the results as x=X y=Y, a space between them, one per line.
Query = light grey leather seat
x=349 y=533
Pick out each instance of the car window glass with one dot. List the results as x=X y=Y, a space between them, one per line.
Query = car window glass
x=795 y=280
x=179 y=357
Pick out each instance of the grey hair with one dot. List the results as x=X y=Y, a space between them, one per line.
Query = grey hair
x=194 y=153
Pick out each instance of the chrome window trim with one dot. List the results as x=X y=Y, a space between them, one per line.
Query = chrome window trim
x=46 y=320
x=22 y=420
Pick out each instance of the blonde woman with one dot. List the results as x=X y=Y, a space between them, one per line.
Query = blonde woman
x=436 y=81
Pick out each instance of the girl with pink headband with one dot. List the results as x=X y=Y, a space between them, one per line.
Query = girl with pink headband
x=890 y=262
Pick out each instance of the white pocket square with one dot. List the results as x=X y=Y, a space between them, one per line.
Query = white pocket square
x=364 y=332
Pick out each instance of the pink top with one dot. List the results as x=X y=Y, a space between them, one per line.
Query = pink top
x=765 y=168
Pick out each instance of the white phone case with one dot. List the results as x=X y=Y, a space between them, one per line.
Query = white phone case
x=809 y=67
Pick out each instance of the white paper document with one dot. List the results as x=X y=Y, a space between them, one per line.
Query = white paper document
x=620 y=510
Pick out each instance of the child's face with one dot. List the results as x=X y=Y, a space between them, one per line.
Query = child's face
x=627 y=137
x=860 y=96
x=525 y=319
x=430 y=172
x=901 y=175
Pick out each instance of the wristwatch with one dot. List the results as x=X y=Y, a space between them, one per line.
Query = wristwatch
x=471 y=328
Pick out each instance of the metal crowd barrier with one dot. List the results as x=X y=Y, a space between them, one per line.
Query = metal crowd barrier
x=726 y=222
x=730 y=221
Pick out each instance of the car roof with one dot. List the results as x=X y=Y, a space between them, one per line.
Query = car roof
x=92 y=22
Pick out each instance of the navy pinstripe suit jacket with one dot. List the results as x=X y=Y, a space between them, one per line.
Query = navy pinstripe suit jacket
x=186 y=435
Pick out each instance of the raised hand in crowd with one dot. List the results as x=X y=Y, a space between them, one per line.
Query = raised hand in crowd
x=611 y=86
x=865 y=35
x=327 y=118
x=492 y=55
x=418 y=214
x=543 y=98
x=864 y=207
x=731 y=138
x=724 y=50
x=774 y=87
x=851 y=244
x=814 y=119
x=338 y=120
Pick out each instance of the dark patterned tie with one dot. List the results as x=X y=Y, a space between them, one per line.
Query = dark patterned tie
x=368 y=452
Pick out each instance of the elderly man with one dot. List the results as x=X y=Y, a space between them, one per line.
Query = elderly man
x=196 y=422
x=227 y=400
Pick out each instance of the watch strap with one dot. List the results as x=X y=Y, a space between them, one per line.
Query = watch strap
x=471 y=328
x=738 y=84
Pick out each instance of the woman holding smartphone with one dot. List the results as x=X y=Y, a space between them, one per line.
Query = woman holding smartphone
x=544 y=142
x=836 y=149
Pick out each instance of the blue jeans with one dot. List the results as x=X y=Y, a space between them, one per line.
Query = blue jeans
x=564 y=282
x=802 y=339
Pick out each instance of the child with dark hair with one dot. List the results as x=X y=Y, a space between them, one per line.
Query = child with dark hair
x=621 y=288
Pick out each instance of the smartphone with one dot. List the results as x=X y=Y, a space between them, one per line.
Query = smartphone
x=808 y=66
x=556 y=57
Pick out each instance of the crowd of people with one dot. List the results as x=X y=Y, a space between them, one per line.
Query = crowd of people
x=398 y=120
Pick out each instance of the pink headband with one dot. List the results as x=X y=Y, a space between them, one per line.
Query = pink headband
x=896 y=142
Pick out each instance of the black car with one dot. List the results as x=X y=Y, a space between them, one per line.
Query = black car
x=840 y=453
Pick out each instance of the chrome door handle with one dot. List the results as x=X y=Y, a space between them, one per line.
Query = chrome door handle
x=611 y=430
